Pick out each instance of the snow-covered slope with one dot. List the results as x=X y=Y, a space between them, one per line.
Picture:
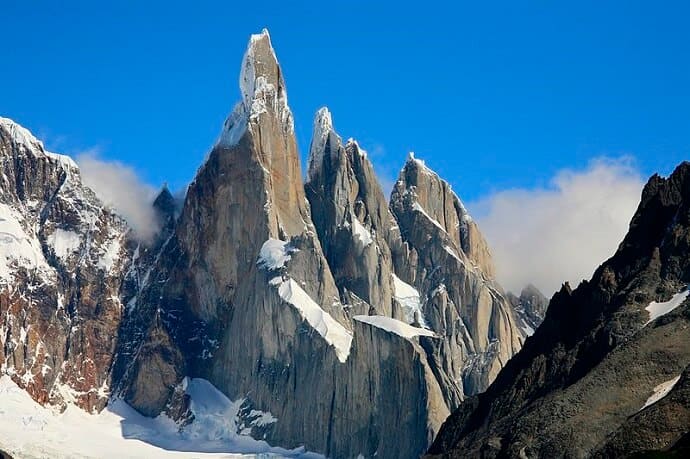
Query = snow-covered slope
x=29 y=430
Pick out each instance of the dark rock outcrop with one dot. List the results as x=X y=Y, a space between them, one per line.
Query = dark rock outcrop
x=578 y=386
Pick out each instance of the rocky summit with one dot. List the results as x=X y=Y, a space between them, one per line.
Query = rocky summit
x=337 y=320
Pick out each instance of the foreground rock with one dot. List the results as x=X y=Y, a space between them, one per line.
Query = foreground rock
x=606 y=373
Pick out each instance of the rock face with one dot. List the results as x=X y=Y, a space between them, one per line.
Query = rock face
x=321 y=308
x=587 y=382
x=62 y=259
x=242 y=294
x=352 y=219
x=450 y=265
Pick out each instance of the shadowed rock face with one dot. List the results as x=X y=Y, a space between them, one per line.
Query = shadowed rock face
x=62 y=261
x=578 y=386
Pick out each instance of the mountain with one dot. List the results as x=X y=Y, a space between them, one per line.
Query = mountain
x=606 y=373
x=63 y=263
x=314 y=311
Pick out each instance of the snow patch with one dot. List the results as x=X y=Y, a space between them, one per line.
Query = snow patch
x=333 y=332
x=451 y=251
x=65 y=161
x=360 y=232
x=274 y=254
x=17 y=248
x=234 y=127
x=408 y=297
x=110 y=256
x=353 y=143
x=527 y=329
x=64 y=242
x=660 y=392
x=395 y=326
x=657 y=310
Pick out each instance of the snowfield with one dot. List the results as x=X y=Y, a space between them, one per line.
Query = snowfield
x=29 y=430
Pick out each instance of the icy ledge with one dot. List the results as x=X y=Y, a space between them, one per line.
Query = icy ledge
x=28 y=429
x=660 y=392
x=394 y=326
x=330 y=329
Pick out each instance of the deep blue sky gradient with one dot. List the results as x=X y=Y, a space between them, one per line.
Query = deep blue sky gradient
x=493 y=95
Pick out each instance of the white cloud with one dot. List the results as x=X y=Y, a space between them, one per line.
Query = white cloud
x=119 y=187
x=547 y=236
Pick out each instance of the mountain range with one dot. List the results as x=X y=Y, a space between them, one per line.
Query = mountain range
x=323 y=318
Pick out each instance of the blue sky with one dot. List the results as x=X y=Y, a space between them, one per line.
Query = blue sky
x=492 y=95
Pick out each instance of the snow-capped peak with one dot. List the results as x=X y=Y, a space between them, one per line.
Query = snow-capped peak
x=412 y=160
x=21 y=136
x=323 y=127
x=352 y=143
x=261 y=88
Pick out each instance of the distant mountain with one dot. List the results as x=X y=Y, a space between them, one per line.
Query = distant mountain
x=328 y=317
x=606 y=373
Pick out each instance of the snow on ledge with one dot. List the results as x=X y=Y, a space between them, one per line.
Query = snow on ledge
x=657 y=310
x=395 y=326
x=660 y=392
x=275 y=254
x=330 y=329
x=408 y=297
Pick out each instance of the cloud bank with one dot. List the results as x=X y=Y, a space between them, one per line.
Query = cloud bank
x=560 y=233
x=119 y=187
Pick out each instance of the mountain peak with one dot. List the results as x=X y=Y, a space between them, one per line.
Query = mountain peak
x=259 y=68
x=323 y=128
x=19 y=134
x=262 y=90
